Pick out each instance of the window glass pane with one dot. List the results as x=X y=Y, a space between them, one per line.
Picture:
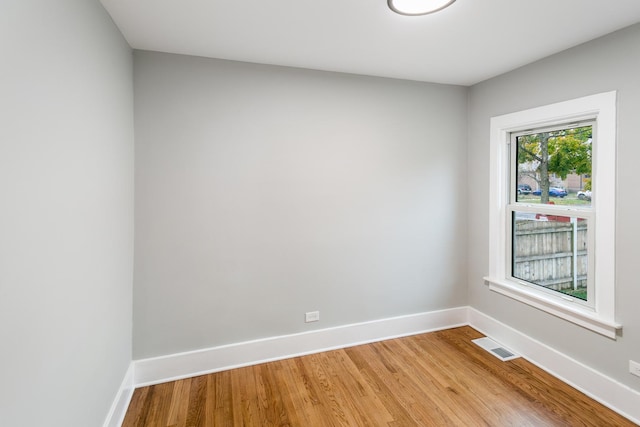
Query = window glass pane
x=555 y=167
x=551 y=251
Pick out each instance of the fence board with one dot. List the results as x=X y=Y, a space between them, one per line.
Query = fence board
x=543 y=253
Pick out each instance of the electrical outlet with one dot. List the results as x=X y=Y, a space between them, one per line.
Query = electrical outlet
x=634 y=368
x=312 y=316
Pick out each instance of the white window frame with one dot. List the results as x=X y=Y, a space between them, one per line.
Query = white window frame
x=600 y=317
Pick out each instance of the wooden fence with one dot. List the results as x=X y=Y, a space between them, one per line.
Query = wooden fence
x=544 y=253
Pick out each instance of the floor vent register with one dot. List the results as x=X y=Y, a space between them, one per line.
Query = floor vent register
x=496 y=349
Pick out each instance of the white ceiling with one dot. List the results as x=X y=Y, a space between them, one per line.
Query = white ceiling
x=466 y=43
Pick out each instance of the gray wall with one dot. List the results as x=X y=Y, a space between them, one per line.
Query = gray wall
x=609 y=63
x=66 y=216
x=265 y=192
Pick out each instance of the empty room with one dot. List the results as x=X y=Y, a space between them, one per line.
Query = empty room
x=319 y=213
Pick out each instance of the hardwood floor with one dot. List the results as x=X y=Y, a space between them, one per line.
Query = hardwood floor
x=435 y=379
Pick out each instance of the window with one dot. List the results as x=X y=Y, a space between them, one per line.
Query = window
x=552 y=214
x=549 y=227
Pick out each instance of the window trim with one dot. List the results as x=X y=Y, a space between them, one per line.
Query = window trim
x=602 y=108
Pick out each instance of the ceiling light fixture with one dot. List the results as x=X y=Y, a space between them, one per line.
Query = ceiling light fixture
x=418 y=7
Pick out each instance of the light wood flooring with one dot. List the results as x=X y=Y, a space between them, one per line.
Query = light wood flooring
x=435 y=379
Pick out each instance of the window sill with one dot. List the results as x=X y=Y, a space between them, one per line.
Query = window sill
x=564 y=310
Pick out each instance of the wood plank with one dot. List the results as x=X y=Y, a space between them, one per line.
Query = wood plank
x=197 y=401
x=177 y=415
x=159 y=403
x=435 y=379
x=138 y=410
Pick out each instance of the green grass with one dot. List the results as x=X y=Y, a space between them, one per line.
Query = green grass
x=570 y=200
x=580 y=293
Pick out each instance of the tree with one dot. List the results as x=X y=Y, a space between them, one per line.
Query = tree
x=561 y=152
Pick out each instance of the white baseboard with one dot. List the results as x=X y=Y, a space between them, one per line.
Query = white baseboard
x=121 y=402
x=611 y=393
x=182 y=365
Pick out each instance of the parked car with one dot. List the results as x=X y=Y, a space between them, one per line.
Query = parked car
x=553 y=192
x=584 y=195
x=524 y=189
